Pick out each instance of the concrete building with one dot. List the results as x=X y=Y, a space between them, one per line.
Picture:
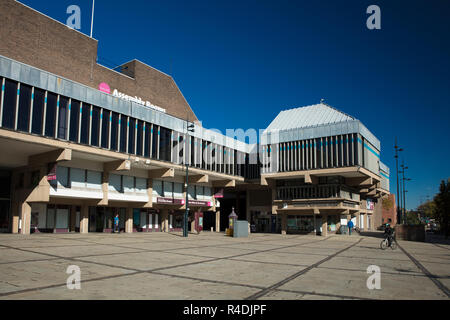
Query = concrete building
x=81 y=143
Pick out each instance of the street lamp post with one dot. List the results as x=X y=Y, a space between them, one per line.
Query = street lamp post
x=397 y=149
x=189 y=128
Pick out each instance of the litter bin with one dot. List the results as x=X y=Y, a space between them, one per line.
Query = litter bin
x=240 y=229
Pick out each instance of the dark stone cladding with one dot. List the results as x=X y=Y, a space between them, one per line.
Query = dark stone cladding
x=39 y=41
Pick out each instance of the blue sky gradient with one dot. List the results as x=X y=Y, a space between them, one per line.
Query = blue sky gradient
x=239 y=63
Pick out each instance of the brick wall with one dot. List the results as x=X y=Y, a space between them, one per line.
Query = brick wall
x=32 y=38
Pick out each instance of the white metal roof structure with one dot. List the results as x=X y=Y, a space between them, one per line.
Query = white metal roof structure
x=314 y=121
x=310 y=116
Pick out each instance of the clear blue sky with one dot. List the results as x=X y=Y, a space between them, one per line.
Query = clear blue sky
x=239 y=63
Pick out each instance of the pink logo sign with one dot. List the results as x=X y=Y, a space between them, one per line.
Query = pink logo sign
x=104 y=87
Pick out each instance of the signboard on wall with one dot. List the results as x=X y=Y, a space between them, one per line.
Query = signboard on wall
x=51 y=175
x=218 y=193
x=162 y=200
x=200 y=203
x=369 y=204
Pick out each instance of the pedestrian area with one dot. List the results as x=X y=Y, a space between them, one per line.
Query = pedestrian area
x=214 y=266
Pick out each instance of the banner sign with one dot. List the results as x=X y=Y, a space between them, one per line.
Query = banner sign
x=181 y=202
x=370 y=204
x=200 y=203
x=170 y=201
x=51 y=176
x=218 y=193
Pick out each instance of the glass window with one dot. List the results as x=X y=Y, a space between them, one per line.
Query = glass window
x=168 y=189
x=50 y=217
x=50 y=114
x=85 y=117
x=131 y=135
x=148 y=137
x=62 y=218
x=140 y=128
x=9 y=104
x=178 y=190
x=157 y=188
x=141 y=185
x=191 y=192
x=115 y=182
x=24 y=108
x=38 y=110
x=94 y=179
x=63 y=117
x=78 y=178
x=105 y=127
x=114 y=130
x=128 y=183
x=123 y=133
x=62 y=176
x=95 y=126
x=155 y=134
x=164 y=144
x=74 y=118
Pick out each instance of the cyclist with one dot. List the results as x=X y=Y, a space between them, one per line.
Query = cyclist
x=388 y=231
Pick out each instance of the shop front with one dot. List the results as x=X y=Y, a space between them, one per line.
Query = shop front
x=176 y=220
x=300 y=224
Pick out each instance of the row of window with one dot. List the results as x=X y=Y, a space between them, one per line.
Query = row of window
x=33 y=110
x=326 y=152
x=82 y=178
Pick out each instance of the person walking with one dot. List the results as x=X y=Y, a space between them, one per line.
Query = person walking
x=116 y=223
x=350 y=227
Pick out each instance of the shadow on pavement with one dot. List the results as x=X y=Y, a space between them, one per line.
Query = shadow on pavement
x=431 y=237
x=374 y=234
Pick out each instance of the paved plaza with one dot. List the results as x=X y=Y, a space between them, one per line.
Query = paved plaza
x=213 y=266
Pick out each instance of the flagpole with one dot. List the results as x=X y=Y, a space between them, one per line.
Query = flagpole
x=92 y=21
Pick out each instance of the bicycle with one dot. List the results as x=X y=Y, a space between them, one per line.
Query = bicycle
x=385 y=243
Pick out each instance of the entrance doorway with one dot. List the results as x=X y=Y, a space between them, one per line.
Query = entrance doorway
x=5 y=203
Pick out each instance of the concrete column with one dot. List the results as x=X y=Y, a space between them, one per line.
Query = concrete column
x=193 y=229
x=105 y=184
x=26 y=217
x=129 y=220
x=165 y=220
x=324 y=225
x=217 y=220
x=84 y=219
x=283 y=223
x=15 y=217
x=73 y=217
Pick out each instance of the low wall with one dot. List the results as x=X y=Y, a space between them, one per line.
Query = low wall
x=410 y=233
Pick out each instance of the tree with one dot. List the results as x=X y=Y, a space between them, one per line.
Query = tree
x=442 y=202
x=387 y=204
x=412 y=218
x=428 y=209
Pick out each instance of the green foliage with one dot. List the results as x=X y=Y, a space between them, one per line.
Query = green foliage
x=428 y=209
x=387 y=204
x=442 y=202
x=412 y=218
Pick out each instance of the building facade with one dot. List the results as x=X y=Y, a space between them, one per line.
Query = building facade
x=81 y=143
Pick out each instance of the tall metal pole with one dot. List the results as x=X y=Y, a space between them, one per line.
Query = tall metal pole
x=398 y=190
x=186 y=213
x=403 y=181
x=92 y=20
